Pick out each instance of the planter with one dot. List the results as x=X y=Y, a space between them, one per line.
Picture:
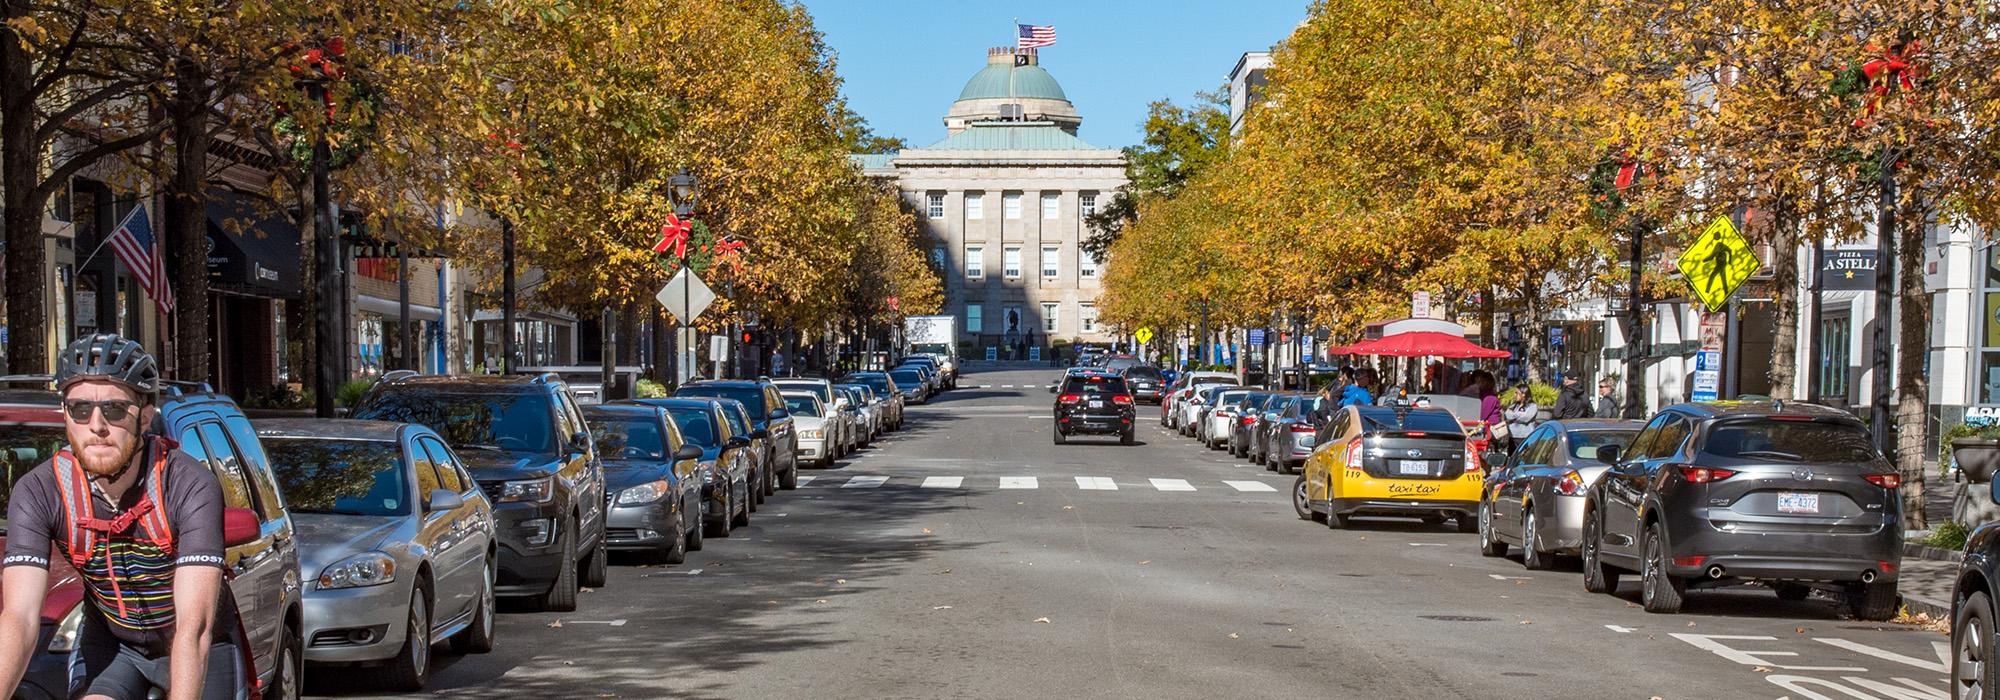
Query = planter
x=1977 y=458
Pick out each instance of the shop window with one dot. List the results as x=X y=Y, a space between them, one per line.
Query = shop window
x=1835 y=336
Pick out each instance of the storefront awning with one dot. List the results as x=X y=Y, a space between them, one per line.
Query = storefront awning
x=1419 y=344
x=251 y=251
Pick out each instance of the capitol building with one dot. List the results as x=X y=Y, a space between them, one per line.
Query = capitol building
x=1004 y=196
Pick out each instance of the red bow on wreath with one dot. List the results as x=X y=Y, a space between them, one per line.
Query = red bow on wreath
x=327 y=62
x=1896 y=70
x=731 y=250
x=674 y=234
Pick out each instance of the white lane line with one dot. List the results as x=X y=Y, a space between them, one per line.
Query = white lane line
x=1006 y=386
x=1620 y=630
x=1498 y=577
x=864 y=482
x=803 y=480
x=1096 y=483
x=1939 y=666
x=1019 y=482
x=1172 y=484
x=1249 y=485
x=942 y=482
x=613 y=623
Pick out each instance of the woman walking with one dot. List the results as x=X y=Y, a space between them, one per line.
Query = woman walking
x=1521 y=414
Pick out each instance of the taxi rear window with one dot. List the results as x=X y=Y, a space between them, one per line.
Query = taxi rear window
x=1386 y=420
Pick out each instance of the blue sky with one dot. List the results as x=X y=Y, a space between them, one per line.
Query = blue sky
x=903 y=61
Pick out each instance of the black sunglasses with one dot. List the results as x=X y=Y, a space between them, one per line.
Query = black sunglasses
x=115 y=410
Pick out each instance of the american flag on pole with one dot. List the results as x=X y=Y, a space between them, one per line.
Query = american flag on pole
x=1035 y=36
x=139 y=249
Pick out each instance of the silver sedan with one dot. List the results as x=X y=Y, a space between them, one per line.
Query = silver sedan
x=1534 y=498
x=395 y=543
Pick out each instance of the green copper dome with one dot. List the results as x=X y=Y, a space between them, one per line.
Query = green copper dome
x=1030 y=82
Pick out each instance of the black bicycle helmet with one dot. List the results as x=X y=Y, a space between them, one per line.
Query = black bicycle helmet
x=108 y=356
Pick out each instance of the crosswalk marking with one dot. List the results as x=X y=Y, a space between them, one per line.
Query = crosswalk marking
x=1096 y=483
x=1249 y=485
x=1019 y=482
x=1172 y=484
x=803 y=480
x=943 y=482
x=864 y=482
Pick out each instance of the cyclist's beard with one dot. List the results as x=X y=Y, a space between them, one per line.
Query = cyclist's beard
x=112 y=466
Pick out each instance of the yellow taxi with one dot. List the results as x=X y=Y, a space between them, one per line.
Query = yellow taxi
x=1390 y=460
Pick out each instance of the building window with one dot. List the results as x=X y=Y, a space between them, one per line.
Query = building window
x=1051 y=205
x=975 y=261
x=1989 y=339
x=1086 y=316
x=937 y=257
x=975 y=206
x=1834 y=335
x=975 y=318
x=1086 y=263
x=1051 y=262
x=1049 y=318
x=934 y=205
x=1010 y=262
x=1010 y=205
x=1086 y=204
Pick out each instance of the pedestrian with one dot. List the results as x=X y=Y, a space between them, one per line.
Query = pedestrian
x=1490 y=416
x=141 y=522
x=778 y=367
x=1361 y=392
x=1521 y=414
x=1607 y=405
x=1571 y=403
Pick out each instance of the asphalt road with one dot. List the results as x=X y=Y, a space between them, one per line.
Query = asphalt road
x=983 y=567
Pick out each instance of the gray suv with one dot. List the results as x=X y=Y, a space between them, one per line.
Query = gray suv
x=1717 y=494
x=527 y=445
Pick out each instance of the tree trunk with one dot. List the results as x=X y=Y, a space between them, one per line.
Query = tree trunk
x=1912 y=343
x=187 y=220
x=663 y=372
x=20 y=168
x=1784 y=299
x=1535 y=334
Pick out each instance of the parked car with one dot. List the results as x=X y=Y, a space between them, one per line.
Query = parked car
x=1715 y=494
x=1117 y=364
x=1094 y=404
x=726 y=458
x=654 y=477
x=868 y=406
x=1197 y=403
x=933 y=369
x=1974 y=612
x=834 y=423
x=396 y=543
x=1266 y=430
x=526 y=442
x=1173 y=413
x=780 y=448
x=757 y=473
x=815 y=438
x=933 y=382
x=1292 y=436
x=1147 y=383
x=886 y=392
x=1534 y=499
x=1215 y=407
x=911 y=382
x=1389 y=460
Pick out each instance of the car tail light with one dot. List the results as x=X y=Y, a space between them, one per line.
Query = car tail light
x=1888 y=567
x=1120 y=398
x=1570 y=484
x=1695 y=560
x=1703 y=475
x=1471 y=463
x=1354 y=453
x=1249 y=419
x=1070 y=398
x=1887 y=481
x=1303 y=428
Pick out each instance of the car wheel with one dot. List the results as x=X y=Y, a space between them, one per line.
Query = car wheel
x=287 y=683
x=694 y=543
x=1060 y=438
x=676 y=552
x=561 y=596
x=1662 y=592
x=595 y=573
x=1597 y=576
x=1792 y=592
x=1532 y=555
x=719 y=527
x=790 y=480
x=412 y=665
x=742 y=518
x=1972 y=642
x=1874 y=602
x=478 y=635
x=1302 y=505
x=1128 y=438
x=1489 y=542
x=770 y=485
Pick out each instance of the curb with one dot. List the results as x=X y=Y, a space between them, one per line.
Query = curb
x=1911 y=549
x=1937 y=610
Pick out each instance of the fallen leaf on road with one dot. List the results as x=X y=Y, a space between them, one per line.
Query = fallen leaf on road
x=1527 y=622
x=1519 y=582
x=927 y=531
x=1232 y=635
x=1760 y=669
x=946 y=571
x=1631 y=605
x=569 y=663
x=1020 y=503
x=941 y=607
x=1800 y=630
x=557 y=623
x=840 y=580
x=1148 y=561
x=1042 y=620
x=1690 y=624
x=822 y=600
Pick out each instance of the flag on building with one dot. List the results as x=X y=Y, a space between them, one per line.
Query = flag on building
x=1035 y=36
x=139 y=249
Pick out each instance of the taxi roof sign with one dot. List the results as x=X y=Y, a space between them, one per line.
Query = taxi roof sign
x=1718 y=263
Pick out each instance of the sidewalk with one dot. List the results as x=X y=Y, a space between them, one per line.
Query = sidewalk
x=1929 y=574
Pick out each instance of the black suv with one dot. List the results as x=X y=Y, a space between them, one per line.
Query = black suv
x=1093 y=403
x=528 y=446
x=1716 y=494
x=767 y=412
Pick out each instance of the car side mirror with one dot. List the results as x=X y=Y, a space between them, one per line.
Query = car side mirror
x=688 y=452
x=1609 y=454
x=739 y=441
x=1052 y=390
x=445 y=499
x=240 y=527
x=780 y=414
x=760 y=433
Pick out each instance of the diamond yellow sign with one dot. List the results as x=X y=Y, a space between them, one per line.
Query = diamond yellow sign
x=1144 y=336
x=1718 y=263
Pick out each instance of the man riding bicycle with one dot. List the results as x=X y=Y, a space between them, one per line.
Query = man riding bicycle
x=142 y=523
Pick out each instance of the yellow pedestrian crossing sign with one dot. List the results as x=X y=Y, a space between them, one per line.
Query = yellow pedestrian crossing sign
x=1717 y=263
x=1144 y=336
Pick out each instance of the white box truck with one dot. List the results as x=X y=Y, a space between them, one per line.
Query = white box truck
x=937 y=337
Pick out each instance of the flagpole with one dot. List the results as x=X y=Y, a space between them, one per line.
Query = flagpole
x=1016 y=62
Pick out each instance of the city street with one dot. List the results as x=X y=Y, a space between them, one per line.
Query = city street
x=967 y=556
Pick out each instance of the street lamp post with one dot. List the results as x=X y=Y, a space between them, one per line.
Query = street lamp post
x=330 y=350
x=683 y=189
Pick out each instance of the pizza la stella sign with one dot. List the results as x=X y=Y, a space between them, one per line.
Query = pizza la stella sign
x=1848 y=269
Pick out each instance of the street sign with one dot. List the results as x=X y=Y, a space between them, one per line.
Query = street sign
x=1718 y=263
x=1420 y=305
x=1144 y=336
x=992 y=353
x=1555 y=335
x=1256 y=336
x=1707 y=376
x=686 y=297
x=1035 y=353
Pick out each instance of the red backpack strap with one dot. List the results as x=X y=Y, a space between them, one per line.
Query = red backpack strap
x=158 y=528
x=73 y=491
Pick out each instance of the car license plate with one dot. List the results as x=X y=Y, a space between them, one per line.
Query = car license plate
x=1097 y=404
x=1798 y=503
x=1418 y=467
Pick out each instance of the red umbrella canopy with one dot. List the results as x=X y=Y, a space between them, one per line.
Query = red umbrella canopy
x=1421 y=344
